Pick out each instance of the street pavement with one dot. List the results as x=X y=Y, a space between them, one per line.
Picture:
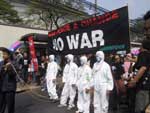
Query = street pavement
x=33 y=100
x=29 y=102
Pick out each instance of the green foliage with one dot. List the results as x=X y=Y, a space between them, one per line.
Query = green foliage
x=8 y=14
x=54 y=13
x=137 y=30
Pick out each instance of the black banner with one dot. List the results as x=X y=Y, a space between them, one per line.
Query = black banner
x=108 y=32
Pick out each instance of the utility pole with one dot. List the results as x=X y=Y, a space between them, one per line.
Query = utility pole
x=95 y=7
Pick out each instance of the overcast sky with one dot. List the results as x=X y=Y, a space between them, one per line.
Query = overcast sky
x=137 y=8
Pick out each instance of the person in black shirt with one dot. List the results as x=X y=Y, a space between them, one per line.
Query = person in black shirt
x=142 y=78
x=142 y=68
x=43 y=66
x=7 y=83
x=26 y=63
x=118 y=71
x=118 y=68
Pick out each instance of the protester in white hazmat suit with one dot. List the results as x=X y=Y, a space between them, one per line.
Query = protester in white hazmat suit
x=102 y=83
x=69 y=79
x=51 y=74
x=83 y=85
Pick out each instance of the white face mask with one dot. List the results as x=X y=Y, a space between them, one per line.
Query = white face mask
x=98 y=59
x=68 y=60
x=82 y=62
x=50 y=60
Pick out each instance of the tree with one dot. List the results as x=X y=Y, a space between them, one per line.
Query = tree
x=7 y=14
x=137 y=30
x=54 y=13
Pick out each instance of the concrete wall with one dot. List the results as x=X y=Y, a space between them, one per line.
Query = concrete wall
x=10 y=34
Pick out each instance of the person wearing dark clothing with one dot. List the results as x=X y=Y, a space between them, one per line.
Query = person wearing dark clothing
x=42 y=68
x=26 y=63
x=142 y=78
x=19 y=61
x=7 y=83
x=118 y=71
x=118 y=68
x=143 y=85
x=142 y=71
x=143 y=60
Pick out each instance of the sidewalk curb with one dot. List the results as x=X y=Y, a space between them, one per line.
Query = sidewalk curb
x=26 y=88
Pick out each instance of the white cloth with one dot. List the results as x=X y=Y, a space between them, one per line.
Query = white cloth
x=25 y=62
x=70 y=73
x=83 y=102
x=83 y=83
x=52 y=70
x=101 y=100
x=102 y=76
x=69 y=78
x=68 y=92
x=102 y=82
x=51 y=74
x=51 y=88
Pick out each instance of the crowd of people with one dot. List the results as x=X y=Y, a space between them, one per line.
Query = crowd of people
x=82 y=80
x=98 y=80
x=104 y=84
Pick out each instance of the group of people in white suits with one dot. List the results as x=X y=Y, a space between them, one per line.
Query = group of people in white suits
x=83 y=80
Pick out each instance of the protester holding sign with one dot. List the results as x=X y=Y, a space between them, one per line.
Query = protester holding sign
x=102 y=84
x=69 y=80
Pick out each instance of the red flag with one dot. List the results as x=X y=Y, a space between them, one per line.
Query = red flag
x=32 y=53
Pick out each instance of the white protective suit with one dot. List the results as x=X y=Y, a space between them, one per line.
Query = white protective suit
x=51 y=74
x=83 y=83
x=102 y=83
x=69 y=79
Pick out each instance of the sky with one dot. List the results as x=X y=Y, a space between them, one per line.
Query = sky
x=137 y=8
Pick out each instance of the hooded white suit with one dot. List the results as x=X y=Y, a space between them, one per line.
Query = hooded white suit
x=51 y=74
x=69 y=79
x=83 y=83
x=102 y=83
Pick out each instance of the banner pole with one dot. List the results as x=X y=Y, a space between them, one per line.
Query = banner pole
x=129 y=28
